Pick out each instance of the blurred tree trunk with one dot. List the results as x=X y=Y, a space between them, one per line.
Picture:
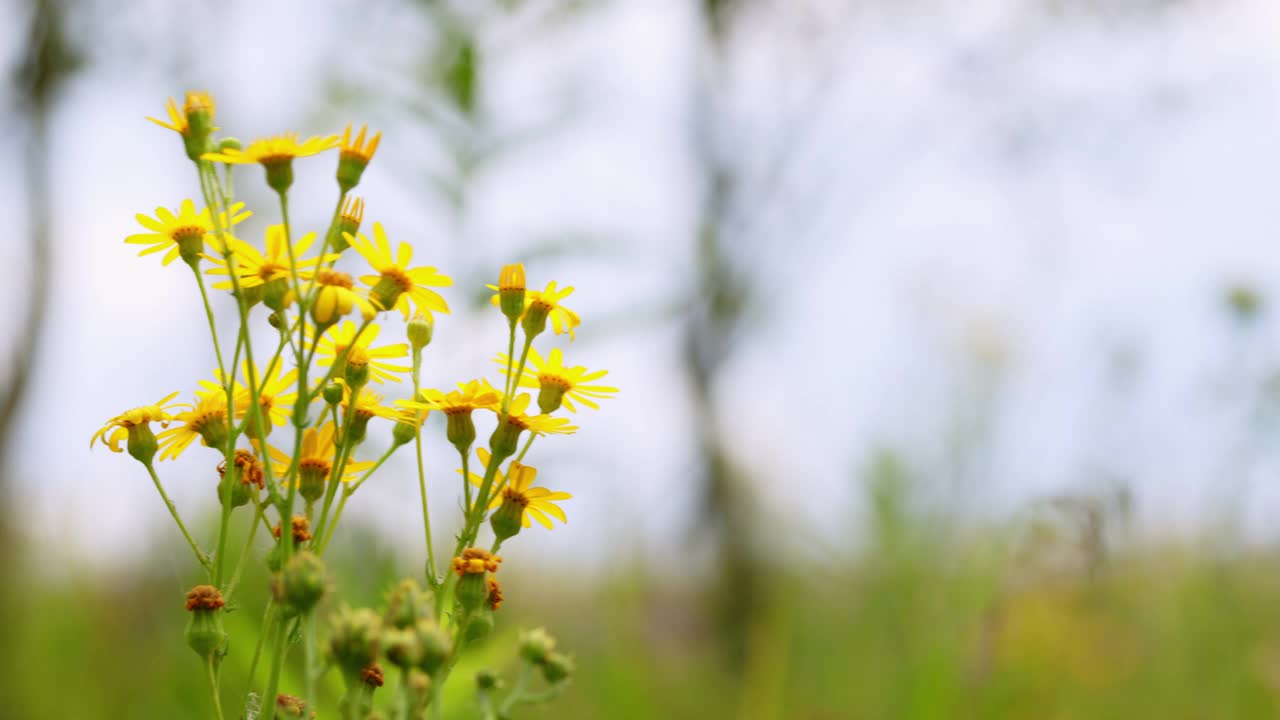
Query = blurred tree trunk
x=45 y=63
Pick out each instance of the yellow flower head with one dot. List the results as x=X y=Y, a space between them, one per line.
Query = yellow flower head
x=358 y=150
x=335 y=298
x=184 y=233
x=396 y=284
x=339 y=341
x=537 y=502
x=198 y=105
x=559 y=384
x=476 y=561
x=518 y=419
x=511 y=278
x=276 y=393
x=274 y=150
x=368 y=405
x=119 y=426
x=316 y=456
x=471 y=395
x=543 y=305
x=253 y=268
x=207 y=420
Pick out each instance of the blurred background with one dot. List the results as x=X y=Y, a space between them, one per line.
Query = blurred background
x=949 y=371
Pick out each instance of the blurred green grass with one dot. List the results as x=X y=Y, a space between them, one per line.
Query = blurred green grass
x=926 y=617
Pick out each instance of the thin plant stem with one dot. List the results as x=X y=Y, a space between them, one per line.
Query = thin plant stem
x=517 y=693
x=346 y=493
x=258 y=518
x=267 y=617
x=213 y=687
x=277 y=663
x=173 y=511
x=422 y=475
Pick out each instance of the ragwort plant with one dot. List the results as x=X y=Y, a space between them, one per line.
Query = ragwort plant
x=311 y=393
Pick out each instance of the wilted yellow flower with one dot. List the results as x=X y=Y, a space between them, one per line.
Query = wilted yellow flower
x=557 y=383
x=338 y=340
x=396 y=284
x=536 y=502
x=119 y=426
x=185 y=233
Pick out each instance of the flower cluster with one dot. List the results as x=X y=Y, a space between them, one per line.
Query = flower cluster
x=284 y=424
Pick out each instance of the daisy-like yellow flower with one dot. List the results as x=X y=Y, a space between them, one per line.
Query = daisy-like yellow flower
x=271 y=271
x=338 y=340
x=276 y=393
x=207 y=420
x=518 y=492
x=506 y=437
x=315 y=462
x=396 y=285
x=354 y=156
x=557 y=384
x=367 y=406
x=194 y=122
x=457 y=405
x=335 y=297
x=276 y=155
x=541 y=305
x=184 y=233
x=134 y=426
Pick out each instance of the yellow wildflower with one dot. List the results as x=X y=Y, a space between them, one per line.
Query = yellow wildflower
x=253 y=268
x=541 y=305
x=184 y=233
x=207 y=420
x=536 y=502
x=118 y=427
x=197 y=105
x=335 y=298
x=557 y=383
x=338 y=340
x=274 y=150
x=276 y=394
x=315 y=461
x=396 y=284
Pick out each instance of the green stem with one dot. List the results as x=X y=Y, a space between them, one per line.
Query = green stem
x=511 y=356
x=524 y=449
x=208 y=313
x=517 y=693
x=213 y=687
x=173 y=511
x=267 y=617
x=309 y=653
x=277 y=663
x=258 y=518
x=432 y=580
x=346 y=493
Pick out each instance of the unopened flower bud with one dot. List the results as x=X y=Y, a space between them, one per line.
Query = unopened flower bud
x=419 y=685
x=278 y=320
x=198 y=109
x=488 y=680
x=353 y=642
x=403 y=648
x=300 y=585
x=332 y=393
x=511 y=291
x=204 y=629
x=436 y=645
x=536 y=645
x=420 y=330
x=407 y=604
x=557 y=668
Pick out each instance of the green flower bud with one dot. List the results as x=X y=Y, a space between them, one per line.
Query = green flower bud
x=557 y=668
x=277 y=319
x=536 y=645
x=142 y=443
x=300 y=585
x=407 y=604
x=353 y=641
x=198 y=110
x=436 y=644
x=488 y=680
x=403 y=647
x=420 y=331
x=332 y=393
